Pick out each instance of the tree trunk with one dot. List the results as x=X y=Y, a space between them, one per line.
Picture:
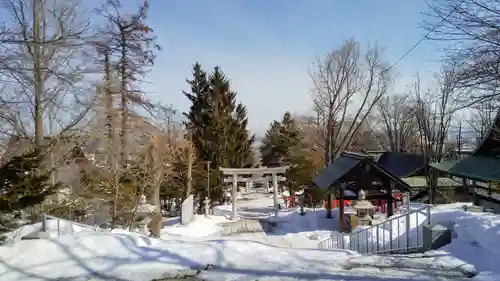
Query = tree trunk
x=156 y=222
x=38 y=76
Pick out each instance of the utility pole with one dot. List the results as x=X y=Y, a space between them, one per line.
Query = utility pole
x=190 y=166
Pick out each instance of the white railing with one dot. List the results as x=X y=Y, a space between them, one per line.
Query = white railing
x=64 y=226
x=53 y=225
x=399 y=234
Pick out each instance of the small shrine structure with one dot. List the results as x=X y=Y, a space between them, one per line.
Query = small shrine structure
x=350 y=173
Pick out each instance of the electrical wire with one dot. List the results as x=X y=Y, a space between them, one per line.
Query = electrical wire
x=425 y=37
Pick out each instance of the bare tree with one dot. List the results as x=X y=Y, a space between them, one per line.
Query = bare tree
x=483 y=116
x=131 y=45
x=128 y=44
x=472 y=28
x=434 y=118
x=347 y=83
x=43 y=68
x=397 y=124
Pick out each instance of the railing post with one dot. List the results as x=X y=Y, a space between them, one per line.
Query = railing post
x=378 y=238
x=390 y=236
x=407 y=231
x=428 y=215
x=44 y=222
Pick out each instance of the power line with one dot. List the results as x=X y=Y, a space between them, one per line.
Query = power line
x=424 y=37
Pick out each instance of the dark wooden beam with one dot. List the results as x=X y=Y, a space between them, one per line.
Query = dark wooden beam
x=390 y=199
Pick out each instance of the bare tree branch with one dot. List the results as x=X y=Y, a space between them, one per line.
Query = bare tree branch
x=398 y=126
x=347 y=84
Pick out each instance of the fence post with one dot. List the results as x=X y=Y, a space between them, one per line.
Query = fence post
x=44 y=223
x=407 y=231
x=428 y=215
x=390 y=236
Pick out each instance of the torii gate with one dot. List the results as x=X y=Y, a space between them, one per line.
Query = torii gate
x=255 y=179
x=235 y=172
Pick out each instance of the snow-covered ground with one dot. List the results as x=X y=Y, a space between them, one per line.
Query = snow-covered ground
x=288 y=251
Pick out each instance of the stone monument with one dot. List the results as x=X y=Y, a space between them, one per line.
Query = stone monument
x=187 y=212
x=143 y=214
x=173 y=209
x=364 y=209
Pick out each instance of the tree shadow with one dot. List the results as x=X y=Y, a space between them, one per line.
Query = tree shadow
x=109 y=264
x=138 y=252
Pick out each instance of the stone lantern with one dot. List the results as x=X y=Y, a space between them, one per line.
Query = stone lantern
x=228 y=197
x=364 y=209
x=206 y=206
x=143 y=214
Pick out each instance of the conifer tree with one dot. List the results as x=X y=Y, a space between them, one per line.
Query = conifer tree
x=23 y=183
x=270 y=148
x=217 y=123
x=282 y=138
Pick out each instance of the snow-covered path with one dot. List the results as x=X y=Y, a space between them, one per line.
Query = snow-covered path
x=289 y=252
x=125 y=256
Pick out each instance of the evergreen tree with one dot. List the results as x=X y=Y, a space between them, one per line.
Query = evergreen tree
x=282 y=138
x=284 y=145
x=23 y=183
x=198 y=115
x=270 y=148
x=217 y=123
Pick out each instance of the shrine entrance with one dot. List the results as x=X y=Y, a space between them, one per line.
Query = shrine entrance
x=236 y=175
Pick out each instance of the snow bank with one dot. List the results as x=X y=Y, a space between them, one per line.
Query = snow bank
x=476 y=236
x=128 y=256
x=200 y=227
x=54 y=228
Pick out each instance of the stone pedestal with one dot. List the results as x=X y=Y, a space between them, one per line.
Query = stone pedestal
x=364 y=209
x=206 y=206
x=143 y=214
x=301 y=204
x=435 y=236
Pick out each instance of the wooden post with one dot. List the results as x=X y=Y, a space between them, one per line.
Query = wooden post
x=341 y=210
x=390 y=199
x=329 y=205
x=275 y=192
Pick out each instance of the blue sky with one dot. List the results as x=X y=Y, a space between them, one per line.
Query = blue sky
x=266 y=47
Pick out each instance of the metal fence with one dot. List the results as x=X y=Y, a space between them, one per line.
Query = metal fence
x=63 y=226
x=399 y=234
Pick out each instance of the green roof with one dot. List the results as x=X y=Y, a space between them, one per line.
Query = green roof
x=472 y=167
x=422 y=181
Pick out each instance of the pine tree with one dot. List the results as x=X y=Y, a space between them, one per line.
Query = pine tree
x=23 y=183
x=242 y=148
x=198 y=115
x=270 y=148
x=218 y=125
x=282 y=138
x=284 y=145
